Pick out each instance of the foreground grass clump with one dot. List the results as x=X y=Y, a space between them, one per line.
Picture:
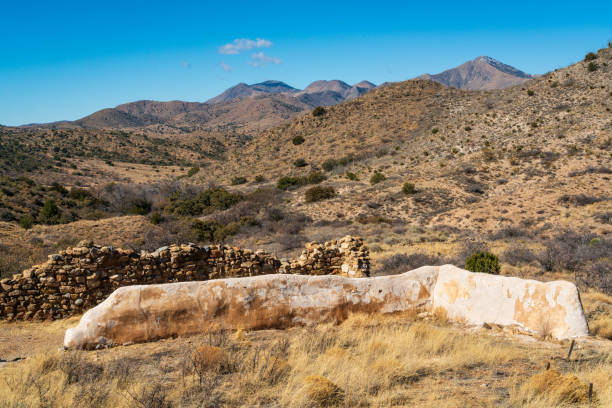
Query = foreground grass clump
x=367 y=360
x=552 y=387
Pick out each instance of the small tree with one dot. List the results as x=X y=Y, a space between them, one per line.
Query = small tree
x=592 y=67
x=50 y=213
x=590 y=56
x=483 y=262
x=26 y=221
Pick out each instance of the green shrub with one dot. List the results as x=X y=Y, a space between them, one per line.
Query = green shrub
x=530 y=92
x=467 y=128
x=59 y=188
x=238 y=180
x=79 y=194
x=300 y=163
x=192 y=171
x=289 y=181
x=434 y=131
x=285 y=182
x=592 y=67
x=351 y=176
x=27 y=221
x=259 y=178
x=319 y=193
x=590 y=56
x=483 y=262
x=204 y=202
x=140 y=206
x=315 y=177
x=318 y=111
x=50 y=213
x=377 y=178
x=298 y=140
x=408 y=189
x=329 y=164
x=156 y=218
x=213 y=231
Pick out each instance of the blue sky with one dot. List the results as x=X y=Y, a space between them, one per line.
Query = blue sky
x=66 y=59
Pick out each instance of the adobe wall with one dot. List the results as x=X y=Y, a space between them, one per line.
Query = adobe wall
x=79 y=278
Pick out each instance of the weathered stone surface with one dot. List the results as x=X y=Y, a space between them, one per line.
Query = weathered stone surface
x=142 y=313
x=545 y=308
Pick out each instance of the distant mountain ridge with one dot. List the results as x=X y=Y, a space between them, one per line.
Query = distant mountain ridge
x=242 y=107
x=479 y=74
x=245 y=107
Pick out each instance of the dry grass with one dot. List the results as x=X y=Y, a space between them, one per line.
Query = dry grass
x=395 y=360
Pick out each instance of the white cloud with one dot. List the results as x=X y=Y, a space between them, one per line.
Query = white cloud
x=259 y=59
x=226 y=67
x=243 y=44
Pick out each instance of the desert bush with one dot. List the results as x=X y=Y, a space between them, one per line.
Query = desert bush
x=213 y=231
x=318 y=193
x=140 y=207
x=509 y=232
x=592 y=67
x=238 y=180
x=377 y=178
x=156 y=218
x=530 y=92
x=554 y=388
x=400 y=263
x=318 y=111
x=300 y=163
x=298 y=140
x=79 y=369
x=408 y=189
x=351 y=176
x=516 y=255
x=329 y=164
x=26 y=221
x=286 y=182
x=151 y=395
x=193 y=171
x=259 y=178
x=204 y=202
x=483 y=262
x=573 y=251
x=579 y=199
x=590 y=56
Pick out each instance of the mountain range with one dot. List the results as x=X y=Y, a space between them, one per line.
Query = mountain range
x=248 y=108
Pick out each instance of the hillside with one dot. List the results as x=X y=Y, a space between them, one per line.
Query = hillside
x=479 y=74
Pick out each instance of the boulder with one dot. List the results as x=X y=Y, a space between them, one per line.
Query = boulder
x=143 y=313
x=148 y=312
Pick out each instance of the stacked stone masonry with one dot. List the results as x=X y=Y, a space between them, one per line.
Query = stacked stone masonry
x=81 y=277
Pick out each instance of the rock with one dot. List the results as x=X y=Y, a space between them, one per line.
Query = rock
x=86 y=243
x=551 y=308
x=142 y=313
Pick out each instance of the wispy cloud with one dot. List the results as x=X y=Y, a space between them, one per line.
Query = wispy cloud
x=259 y=59
x=243 y=44
x=226 y=67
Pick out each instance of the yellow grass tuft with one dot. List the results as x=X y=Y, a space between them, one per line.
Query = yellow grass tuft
x=555 y=388
x=322 y=391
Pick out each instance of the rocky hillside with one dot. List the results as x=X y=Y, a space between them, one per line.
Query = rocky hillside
x=481 y=73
